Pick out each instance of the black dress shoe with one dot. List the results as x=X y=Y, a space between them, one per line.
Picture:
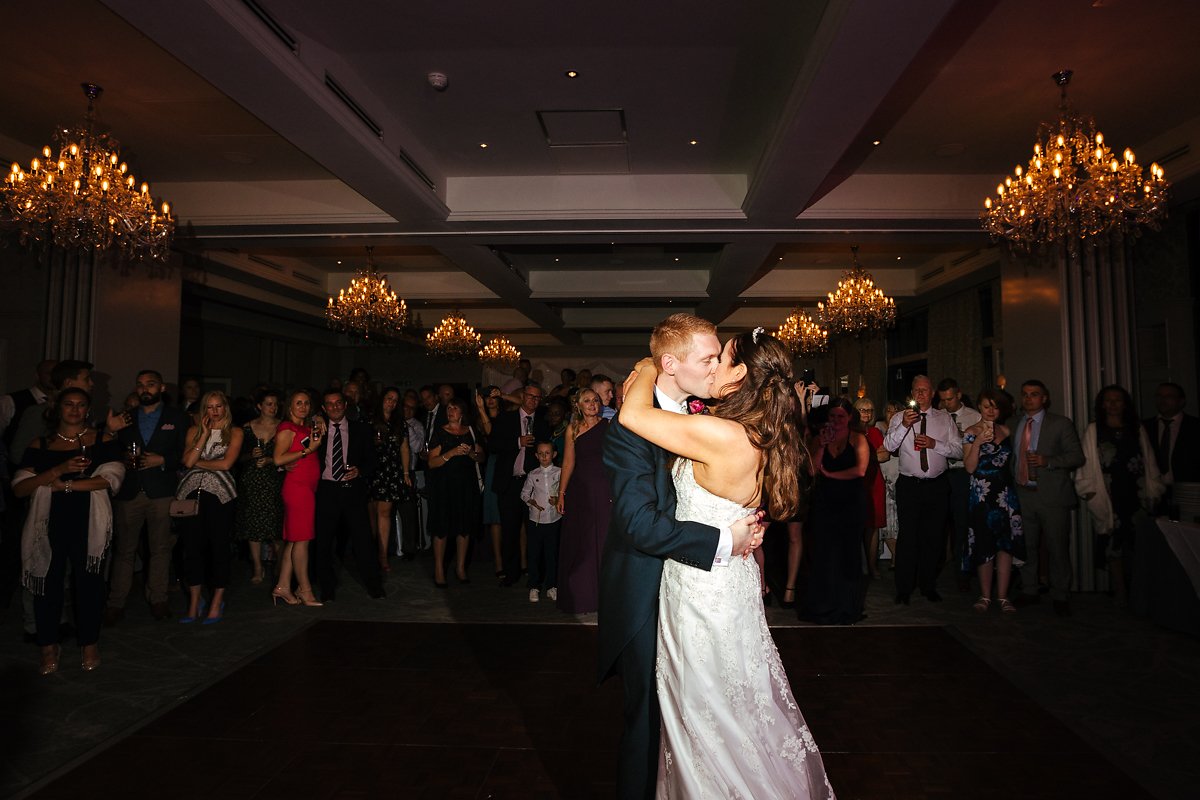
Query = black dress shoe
x=901 y=600
x=932 y=596
x=377 y=593
x=508 y=581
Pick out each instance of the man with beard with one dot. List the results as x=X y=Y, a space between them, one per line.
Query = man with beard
x=153 y=440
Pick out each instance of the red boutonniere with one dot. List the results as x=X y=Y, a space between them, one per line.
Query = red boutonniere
x=696 y=406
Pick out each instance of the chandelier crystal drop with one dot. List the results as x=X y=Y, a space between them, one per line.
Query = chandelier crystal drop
x=368 y=309
x=803 y=335
x=1074 y=187
x=857 y=307
x=500 y=353
x=453 y=339
x=86 y=198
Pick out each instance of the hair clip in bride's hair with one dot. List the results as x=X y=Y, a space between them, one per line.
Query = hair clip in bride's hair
x=754 y=334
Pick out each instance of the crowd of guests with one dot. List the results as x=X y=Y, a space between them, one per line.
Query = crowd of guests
x=986 y=489
x=295 y=482
x=514 y=475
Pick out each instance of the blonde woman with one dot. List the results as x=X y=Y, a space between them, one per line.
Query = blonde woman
x=296 y=439
x=585 y=507
x=213 y=445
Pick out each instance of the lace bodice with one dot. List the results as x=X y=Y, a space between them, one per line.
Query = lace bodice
x=697 y=504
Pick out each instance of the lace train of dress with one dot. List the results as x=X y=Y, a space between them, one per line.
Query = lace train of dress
x=730 y=725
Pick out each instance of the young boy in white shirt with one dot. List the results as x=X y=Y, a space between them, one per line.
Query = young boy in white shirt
x=540 y=493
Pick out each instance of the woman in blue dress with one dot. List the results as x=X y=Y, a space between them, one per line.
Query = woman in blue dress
x=994 y=533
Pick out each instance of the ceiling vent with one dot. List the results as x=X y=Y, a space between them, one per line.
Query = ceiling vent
x=353 y=105
x=266 y=263
x=587 y=141
x=272 y=24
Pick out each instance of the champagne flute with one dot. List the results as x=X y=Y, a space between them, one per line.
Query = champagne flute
x=85 y=454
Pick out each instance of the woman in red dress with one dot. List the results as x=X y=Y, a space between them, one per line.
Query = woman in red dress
x=876 y=514
x=295 y=442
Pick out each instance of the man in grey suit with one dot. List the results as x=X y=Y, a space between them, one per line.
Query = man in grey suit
x=1046 y=449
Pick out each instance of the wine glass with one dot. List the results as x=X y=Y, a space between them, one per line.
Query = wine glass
x=85 y=451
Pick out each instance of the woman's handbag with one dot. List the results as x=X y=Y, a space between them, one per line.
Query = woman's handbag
x=185 y=508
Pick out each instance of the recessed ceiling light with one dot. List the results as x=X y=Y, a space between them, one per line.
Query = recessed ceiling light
x=899 y=257
x=876 y=142
x=483 y=145
x=676 y=258
x=339 y=263
x=693 y=142
x=571 y=73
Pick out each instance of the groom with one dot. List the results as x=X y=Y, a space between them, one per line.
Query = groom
x=643 y=533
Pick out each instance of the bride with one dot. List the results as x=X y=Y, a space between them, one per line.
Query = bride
x=730 y=725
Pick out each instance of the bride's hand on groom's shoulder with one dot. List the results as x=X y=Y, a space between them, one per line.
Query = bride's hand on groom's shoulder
x=645 y=363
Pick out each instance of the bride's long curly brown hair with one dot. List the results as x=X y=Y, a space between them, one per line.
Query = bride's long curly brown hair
x=762 y=403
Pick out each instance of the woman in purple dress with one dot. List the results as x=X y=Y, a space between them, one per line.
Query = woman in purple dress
x=585 y=507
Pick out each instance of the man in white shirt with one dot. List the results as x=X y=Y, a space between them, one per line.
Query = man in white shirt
x=926 y=439
x=950 y=400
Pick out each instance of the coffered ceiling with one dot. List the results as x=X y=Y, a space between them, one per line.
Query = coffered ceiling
x=715 y=157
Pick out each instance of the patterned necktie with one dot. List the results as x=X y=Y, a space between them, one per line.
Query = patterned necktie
x=924 y=452
x=1023 y=456
x=954 y=416
x=1163 y=456
x=339 y=467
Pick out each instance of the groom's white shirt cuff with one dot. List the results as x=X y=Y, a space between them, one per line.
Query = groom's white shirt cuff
x=725 y=545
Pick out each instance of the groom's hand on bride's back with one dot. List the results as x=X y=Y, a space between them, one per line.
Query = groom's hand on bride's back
x=747 y=533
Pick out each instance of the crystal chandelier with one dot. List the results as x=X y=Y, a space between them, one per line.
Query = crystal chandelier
x=85 y=198
x=1074 y=187
x=453 y=339
x=857 y=307
x=802 y=335
x=500 y=353
x=368 y=309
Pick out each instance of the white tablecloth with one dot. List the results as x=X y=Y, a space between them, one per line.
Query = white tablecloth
x=1184 y=540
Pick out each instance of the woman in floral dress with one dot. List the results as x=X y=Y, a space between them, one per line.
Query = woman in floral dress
x=994 y=533
x=391 y=480
x=260 y=507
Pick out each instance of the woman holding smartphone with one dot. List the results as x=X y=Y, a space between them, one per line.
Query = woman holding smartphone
x=296 y=439
x=994 y=532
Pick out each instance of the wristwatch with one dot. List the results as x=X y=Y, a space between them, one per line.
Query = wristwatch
x=969 y=438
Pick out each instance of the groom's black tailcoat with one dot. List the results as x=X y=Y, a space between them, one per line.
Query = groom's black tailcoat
x=642 y=533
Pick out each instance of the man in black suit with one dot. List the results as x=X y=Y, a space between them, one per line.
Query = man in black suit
x=642 y=533
x=159 y=433
x=515 y=435
x=1176 y=439
x=347 y=455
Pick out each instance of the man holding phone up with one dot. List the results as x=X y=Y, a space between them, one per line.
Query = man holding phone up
x=926 y=439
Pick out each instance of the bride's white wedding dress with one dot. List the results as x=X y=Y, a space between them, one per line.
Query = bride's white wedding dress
x=730 y=725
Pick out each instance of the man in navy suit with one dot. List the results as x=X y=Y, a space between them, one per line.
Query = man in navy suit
x=642 y=533
x=159 y=432
x=347 y=455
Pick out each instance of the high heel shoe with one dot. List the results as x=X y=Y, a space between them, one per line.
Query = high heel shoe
x=214 y=620
x=785 y=603
x=200 y=609
x=306 y=597
x=50 y=658
x=91 y=660
x=280 y=593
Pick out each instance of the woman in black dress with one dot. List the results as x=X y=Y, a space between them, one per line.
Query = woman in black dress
x=260 y=506
x=68 y=477
x=455 y=452
x=840 y=454
x=391 y=481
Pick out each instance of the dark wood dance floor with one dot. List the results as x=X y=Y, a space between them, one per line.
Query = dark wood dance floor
x=375 y=709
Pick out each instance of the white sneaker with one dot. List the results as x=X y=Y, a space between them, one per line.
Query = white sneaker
x=533 y=595
x=552 y=595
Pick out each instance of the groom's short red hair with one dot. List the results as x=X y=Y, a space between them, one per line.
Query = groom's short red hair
x=674 y=335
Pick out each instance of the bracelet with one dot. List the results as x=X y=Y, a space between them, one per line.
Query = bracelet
x=67 y=487
x=969 y=438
